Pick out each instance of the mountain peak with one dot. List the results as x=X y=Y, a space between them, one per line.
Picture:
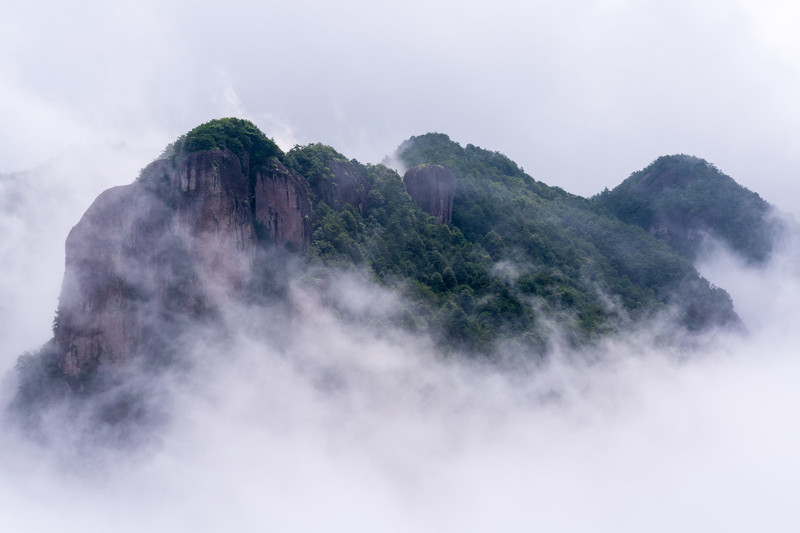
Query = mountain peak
x=173 y=242
x=685 y=201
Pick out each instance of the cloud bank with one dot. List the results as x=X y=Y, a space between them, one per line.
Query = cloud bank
x=347 y=426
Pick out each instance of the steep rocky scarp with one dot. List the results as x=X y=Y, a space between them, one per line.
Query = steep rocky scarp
x=433 y=187
x=167 y=248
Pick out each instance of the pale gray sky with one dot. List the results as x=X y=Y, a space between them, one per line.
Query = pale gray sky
x=579 y=93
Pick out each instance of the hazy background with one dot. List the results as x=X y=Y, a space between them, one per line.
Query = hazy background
x=580 y=94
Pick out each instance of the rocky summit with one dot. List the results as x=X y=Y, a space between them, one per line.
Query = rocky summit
x=185 y=232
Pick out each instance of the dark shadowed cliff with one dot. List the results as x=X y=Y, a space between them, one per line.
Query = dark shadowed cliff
x=433 y=187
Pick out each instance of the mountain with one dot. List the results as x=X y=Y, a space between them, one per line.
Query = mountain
x=686 y=201
x=567 y=255
x=488 y=260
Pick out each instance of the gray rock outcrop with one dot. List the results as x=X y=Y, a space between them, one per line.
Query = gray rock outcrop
x=345 y=185
x=433 y=187
x=164 y=250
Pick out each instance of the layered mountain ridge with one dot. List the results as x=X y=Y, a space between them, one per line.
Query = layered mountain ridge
x=486 y=257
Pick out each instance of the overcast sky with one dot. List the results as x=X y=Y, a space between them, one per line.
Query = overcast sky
x=580 y=93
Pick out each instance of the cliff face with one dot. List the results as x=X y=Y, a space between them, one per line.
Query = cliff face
x=110 y=291
x=283 y=206
x=351 y=187
x=433 y=187
x=167 y=248
x=344 y=184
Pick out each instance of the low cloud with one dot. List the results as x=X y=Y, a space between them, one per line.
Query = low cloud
x=345 y=425
x=354 y=424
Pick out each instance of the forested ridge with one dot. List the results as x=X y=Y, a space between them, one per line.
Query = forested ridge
x=482 y=259
x=683 y=199
x=518 y=256
x=507 y=264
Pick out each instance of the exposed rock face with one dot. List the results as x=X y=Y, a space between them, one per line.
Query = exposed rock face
x=681 y=232
x=433 y=187
x=346 y=185
x=213 y=218
x=167 y=248
x=282 y=206
x=351 y=187
x=110 y=291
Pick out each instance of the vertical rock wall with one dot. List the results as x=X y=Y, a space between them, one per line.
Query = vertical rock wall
x=433 y=187
x=283 y=206
x=150 y=256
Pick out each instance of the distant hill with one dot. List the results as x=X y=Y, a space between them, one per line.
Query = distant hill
x=685 y=200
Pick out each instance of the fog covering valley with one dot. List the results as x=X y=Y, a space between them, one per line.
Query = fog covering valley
x=344 y=425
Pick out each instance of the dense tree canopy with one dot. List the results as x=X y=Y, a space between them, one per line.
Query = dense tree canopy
x=517 y=255
x=682 y=199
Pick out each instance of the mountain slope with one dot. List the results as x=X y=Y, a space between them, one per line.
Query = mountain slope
x=563 y=250
x=684 y=200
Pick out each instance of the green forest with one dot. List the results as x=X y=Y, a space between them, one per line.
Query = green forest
x=519 y=257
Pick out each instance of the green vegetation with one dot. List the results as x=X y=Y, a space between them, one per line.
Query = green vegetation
x=312 y=162
x=447 y=276
x=680 y=199
x=517 y=255
x=561 y=250
x=519 y=261
x=241 y=137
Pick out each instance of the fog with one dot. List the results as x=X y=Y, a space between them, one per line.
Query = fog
x=37 y=209
x=350 y=428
